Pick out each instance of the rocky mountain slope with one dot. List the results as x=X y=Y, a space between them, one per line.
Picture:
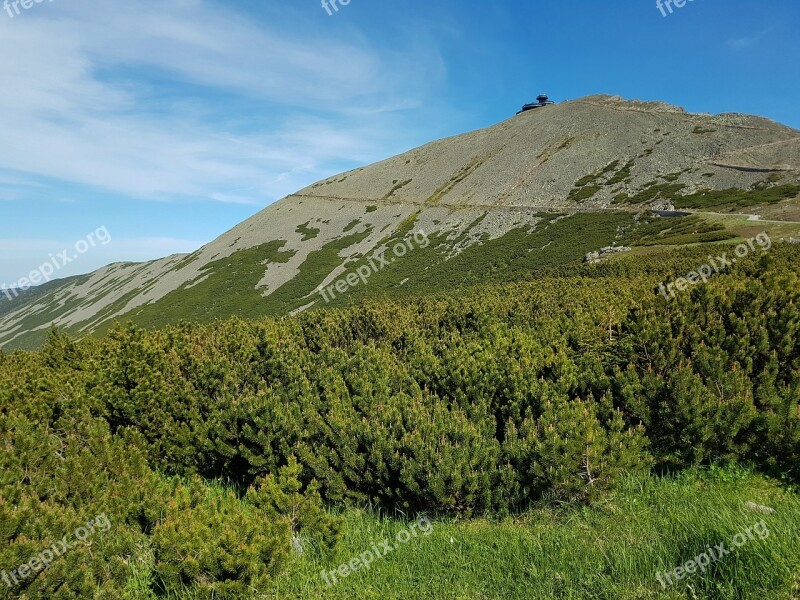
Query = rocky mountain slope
x=541 y=188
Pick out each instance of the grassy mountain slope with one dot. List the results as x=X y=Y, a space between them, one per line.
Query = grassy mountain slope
x=538 y=190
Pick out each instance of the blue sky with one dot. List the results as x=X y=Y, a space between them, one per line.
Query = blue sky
x=169 y=122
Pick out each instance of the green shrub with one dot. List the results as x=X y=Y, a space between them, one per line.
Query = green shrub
x=711 y=375
x=570 y=453
x=279 y=497
x=213 y=546
x=54 y=480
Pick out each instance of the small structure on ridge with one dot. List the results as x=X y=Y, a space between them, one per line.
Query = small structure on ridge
x=541 y=100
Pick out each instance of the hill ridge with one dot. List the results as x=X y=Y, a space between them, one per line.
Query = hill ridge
x=597 y=160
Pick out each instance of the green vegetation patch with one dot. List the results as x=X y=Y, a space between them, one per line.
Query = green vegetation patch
x=579 y=194
x=623 y=175
x=351 y=225
x=589 y=185
x=732 y=199
x=318 y=265
x=519 y=255
x=654 y=191
x=457 y=178
x=309 y=233
x=228 y=288
x=46 y=300
x=654 y=231
x=399 y=185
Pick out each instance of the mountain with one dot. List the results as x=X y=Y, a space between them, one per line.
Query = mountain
x=537 y=191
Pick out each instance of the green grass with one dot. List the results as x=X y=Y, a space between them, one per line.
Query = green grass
x=611 y=550
x=744 y=228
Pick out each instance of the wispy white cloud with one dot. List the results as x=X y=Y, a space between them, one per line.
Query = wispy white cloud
x=747 y=42
x=81 y=107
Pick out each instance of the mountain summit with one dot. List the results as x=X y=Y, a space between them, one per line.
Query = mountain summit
x=541 y=188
